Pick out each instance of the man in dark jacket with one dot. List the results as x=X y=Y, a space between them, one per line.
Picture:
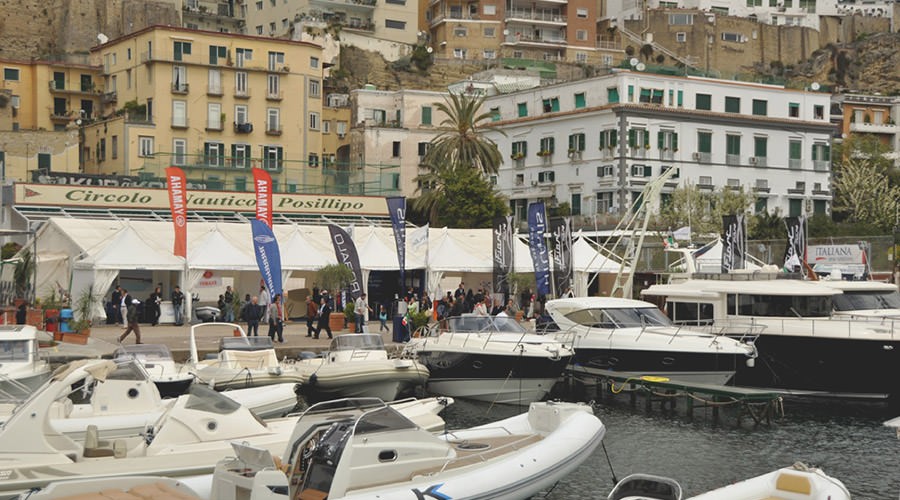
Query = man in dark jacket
x=253 y=313
x=178 y=306
x=324 y=314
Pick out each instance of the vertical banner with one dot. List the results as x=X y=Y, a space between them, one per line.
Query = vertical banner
x=734 y=243
x=177 y=185
x=345 y=252
x=561 y=229
x=537 y=226
x=262 y=185
x=397 y=209
x=268 y=257
x=502 y=238
x=795 y=253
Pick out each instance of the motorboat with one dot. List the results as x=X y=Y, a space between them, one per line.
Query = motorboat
x=185 y=441
x=634 y=336
x=172 y=379
x=241 y=361
x=357 y=365
x=207 y=314
x=22 y=370
x=125 y=488
x=797 y=482
x=873 y=300
x=490 y=359
x=804 y=348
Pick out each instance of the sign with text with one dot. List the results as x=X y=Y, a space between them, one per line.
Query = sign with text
x=28 y=194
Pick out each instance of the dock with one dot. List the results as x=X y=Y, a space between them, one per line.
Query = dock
x=758 y=406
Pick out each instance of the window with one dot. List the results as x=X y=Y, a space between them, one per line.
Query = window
x=705 y=180
x=762 y=205
x=581 y=13
x=179 y=113
x=273 y=120
x=704 y=142
x=604 y=202
x=667 y=141
x=426 y=115
x=681 y=37
x=654 y=96
x=576 y=204
x=313 y=62
x=314 y=121
x=489 y=54
x=760 y=107
x=272 y=157
x=326 y=126
x=214 y=82
x=795 y=148
x=819 y=206
x=821 y=156
x=794 y=110
x=489 y=31
x=217 y=54
x=495 y=114
x=276 y=59
x=214 y=116
x=605 y=171
x=11 y=74
x=240 y=155
x=242 y=56
x=272 y=27
x=460 y=53
x=630 y=93
x=581 y=35
x=681 y=19
x=548 y=146
x=315 y=88
x=240 y=83
x=397 y=25
x=732 y=104
x=795 y=208
x=312 y=160
x=240 y=114
x=460 y=31
x=579 y=100
x=490 y=10
x=732 y=37
x=760 y=147
x=179 y=79
x=179 y=150
x=422 y=149
x=819 y=112
x=522 y=108
x=519 y=149
x=638 y=138
x=546 y=176
x=580 y=57
x=259 y=30
x=732 y=149
x=59 y=106
x=395 y=149
x=114 y=147
x=609 y=139
x=181 y=49
x=341 y=129
x=551 y=105
x=214 y=154
x=704 y=102
x=44 y=161
x=612 y=95
x=145 y=146
x=273 y=86
x=576 y=143
x=259 y=5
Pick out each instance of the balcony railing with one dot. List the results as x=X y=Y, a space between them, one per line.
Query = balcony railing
x=732 y=159
x=180 y=124
x=535 y=16
x=180 y=88
x=214 y=127
x=528 y=37
x=795 y=163
x=109 y=97
x=821 y=165
x=872 y=128
x=242 y=93
x=61 y=115
x=759 y=161
x=575 y=155
x=273 y=129
x=243 y=128
x=214 y=90
x=274 y=96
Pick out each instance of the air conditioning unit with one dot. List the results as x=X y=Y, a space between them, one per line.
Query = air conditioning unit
x=753 y=160
x=534 y=183
x=341 y=136
x=696 y=156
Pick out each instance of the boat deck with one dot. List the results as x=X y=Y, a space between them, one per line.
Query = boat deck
x=760 y=405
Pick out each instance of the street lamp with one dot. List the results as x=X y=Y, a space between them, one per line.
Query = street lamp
x=80 y=123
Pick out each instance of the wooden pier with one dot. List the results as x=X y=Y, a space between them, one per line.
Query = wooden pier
x=760 y=405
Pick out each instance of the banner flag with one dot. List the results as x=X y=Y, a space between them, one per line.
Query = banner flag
x=561 y=229
x=795 y=253
x=177 y=186
x=262 y=183
x=537 y=226
x=345 y=252
x=734 y=243
x=502 y=237
x=418 y=237
x=682 y=234
x=397 y=209
x=268 y=257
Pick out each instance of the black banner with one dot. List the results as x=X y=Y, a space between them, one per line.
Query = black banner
x=346 y=254
x=561 y=230
x=795 y=253
x=397 y=209
x=91 y=180
x=502 y=238
x=734 y=243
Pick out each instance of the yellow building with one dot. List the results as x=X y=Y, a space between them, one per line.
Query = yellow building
x=215 y=104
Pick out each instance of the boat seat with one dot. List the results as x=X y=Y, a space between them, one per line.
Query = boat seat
x=312 y=494
x=93 y=447
x=793 y=483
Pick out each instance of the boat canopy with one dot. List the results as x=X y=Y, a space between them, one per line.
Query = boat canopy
x=144 y=352
x=245 y=343
x=471 y=323
x=619 y=317
x=357 y=342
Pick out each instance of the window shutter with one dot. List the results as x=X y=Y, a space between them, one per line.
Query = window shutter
x=814 y=155
x=660 y=140
x=674 y=141
x=632 y=138
x=602 y=139
x=646 y=137
x=613 y=138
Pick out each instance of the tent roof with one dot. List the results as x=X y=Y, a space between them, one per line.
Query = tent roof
x=460 y=250
x=129 y=250
x=216 y=251
x=301 y=250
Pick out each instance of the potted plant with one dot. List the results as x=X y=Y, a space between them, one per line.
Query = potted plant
x=335 y=277
x=544 y=152
x=518 y=155
x=83 y=311
x=349 y=314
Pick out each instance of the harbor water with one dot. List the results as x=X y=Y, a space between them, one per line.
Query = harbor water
x=846 y=440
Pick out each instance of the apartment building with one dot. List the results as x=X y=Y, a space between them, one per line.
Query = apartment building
x=871 y=114
x=212 y=15
x=213 y=103
x=335 y=131
x=595 y=143
x=546 y=30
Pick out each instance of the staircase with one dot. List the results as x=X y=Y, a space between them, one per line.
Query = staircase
x=634 y=37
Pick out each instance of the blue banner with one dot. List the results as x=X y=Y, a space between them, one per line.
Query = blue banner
x=268 y=257
x=345 y=252
x=397 y=209
x=537 y=226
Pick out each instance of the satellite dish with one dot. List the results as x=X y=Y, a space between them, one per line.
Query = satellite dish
x=633 y=62
x=429 y=50
x=102 y=38
x=641 y=67
x=815 y=86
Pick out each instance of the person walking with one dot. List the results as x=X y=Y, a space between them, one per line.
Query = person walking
x=153 y=304
x=323 y=315
x=123 y=308
x=228 y=313
x=132 y=318
x=178 y=305
x=276 y=319
x=116 y=300
x=361 y=309
x=311 y=312
x=253 y=312
x=382 y=317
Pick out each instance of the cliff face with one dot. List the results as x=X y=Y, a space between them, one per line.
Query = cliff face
x=66 y=29
x=868 y=65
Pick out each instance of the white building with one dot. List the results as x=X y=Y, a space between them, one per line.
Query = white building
x=593 y=143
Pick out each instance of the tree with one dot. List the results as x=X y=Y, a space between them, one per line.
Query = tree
x=866 y=186
x=468 y=201
x=703 y=210
x=768 y=226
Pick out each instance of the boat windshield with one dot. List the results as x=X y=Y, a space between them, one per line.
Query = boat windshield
x=245 y=343
x=144 y=352
x=785 y=306
x=865 y=300
x=484 y=324
x=382 y=420
x=203 y=398
x=128 y=370
x=624 y=317
x=14 y=350
x=358 y=342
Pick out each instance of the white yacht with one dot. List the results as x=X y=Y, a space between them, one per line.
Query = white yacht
x=171 y=378
x=21 y=369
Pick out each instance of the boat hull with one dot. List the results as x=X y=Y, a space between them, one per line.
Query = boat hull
x=387 y=386
x=686 y=366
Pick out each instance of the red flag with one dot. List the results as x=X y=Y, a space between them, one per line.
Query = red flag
x=178 y=204
x=262 y=182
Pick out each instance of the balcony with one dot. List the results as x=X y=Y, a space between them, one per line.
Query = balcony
x=180 y=88
x=61 y=116
x=360 y=25
x=183 y=124
x=575 y=155
x=821 y=165
x=214 y=90
x=639 y=152
x=109 y=97
x=554 y=40
x=60 y=88
x=274 y=96
x=873 y=128
x=273 y=129
x=453 y=16
x=214 y=127
x=535 y=17
x=666 y=155
x=242 y=93
x=703 y=157
x=243 y=128
x=518 y=163
x=759 y=161
x=733 y=159
x=795 y=163
x=362 y=5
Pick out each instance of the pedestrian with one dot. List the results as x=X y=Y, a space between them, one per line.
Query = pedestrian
x=361 y=309
x=153 y=304
x=323 y=315
x=316 y=296
x=311 y=312
x=382 y=317
x=22 y=313
x=132 y=317
x=276 y=319
x=178 y=305
x=123 y=307
x=116 y=303
x=480 y=309
x=229 y=305
x=221 y=305
x=252 y=314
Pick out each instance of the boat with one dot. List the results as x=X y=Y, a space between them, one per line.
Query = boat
x=241 y=362
x=185 y=441
x=172 y=379
x=646 y=487
x=804 y=349
x=357 y=365
x=124 y=488
x=873 y=300
x=489 y=359
x=634 y=336
x=21 y=369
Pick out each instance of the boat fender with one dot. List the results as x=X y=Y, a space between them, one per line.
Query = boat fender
x=313 y=379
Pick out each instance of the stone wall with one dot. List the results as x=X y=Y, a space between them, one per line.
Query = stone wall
x=21 y=150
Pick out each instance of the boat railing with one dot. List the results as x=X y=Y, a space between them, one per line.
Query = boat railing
x=835 y=327
x=15 y=392
x=740 y=330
